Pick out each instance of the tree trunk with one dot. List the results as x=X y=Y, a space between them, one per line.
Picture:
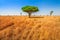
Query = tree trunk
x=29 y=15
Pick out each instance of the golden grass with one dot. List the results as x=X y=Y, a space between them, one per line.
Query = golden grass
x=24 y=28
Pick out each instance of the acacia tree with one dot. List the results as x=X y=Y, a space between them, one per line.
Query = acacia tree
x=51 y=12
x=30 y=9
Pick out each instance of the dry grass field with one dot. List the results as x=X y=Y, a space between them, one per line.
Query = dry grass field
x=24 y=28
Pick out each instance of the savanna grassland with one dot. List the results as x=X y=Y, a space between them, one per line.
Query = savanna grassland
x=24 y=28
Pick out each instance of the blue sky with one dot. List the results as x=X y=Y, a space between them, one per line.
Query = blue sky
x=13 y=7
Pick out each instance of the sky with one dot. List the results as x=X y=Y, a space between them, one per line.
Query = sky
x=13 y=7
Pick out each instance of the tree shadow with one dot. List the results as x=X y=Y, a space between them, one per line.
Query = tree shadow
x=36 y=17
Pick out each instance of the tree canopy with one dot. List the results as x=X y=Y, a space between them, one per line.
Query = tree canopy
x=30 y=9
